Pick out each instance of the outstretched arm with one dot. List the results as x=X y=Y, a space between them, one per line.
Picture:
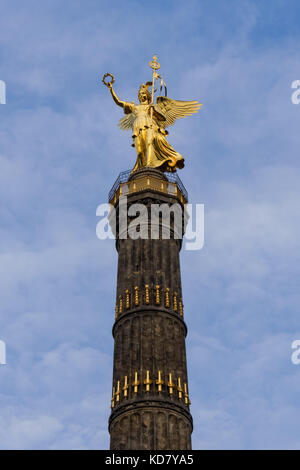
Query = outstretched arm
x=115 y=96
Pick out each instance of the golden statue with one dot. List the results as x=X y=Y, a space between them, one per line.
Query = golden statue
x=148 y=122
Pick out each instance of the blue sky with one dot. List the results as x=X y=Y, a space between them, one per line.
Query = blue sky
x=60 y=152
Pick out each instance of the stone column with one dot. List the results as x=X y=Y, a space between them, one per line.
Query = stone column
x=150 y=402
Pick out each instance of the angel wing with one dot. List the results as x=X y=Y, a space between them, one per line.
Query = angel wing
x=127 y=122
x=175 y=109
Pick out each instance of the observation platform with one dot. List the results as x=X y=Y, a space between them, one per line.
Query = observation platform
x=148 y=178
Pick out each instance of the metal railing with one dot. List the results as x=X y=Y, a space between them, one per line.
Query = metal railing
x=174 y=178
x=124 y=177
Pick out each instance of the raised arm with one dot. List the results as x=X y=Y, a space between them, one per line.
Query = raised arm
x=115 y=96
x=128 y=107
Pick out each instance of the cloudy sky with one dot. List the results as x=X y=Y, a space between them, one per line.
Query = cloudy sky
x=60 y=152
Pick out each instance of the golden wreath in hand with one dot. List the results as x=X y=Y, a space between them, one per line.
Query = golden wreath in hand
x=110 y=83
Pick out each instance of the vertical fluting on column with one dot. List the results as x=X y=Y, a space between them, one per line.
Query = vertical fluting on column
x=150 y=399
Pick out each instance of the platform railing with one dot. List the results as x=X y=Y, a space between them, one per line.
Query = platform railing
x=124 y=177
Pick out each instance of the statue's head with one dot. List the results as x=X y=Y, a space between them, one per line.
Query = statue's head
x=144 y=95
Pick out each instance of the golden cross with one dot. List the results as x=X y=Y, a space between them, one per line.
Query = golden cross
x=125 y=388
x=118 y=391
x=147 y=381
x=179 y=388
x=159 y=381
x=113 y=398
x=170 y=384
x=136 y=383
x=186 y=395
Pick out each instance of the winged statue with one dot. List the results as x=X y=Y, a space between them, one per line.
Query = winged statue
x=148 y=123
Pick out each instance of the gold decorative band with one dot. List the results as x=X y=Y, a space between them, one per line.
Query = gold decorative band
x=155 y=386
x=154 y=294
